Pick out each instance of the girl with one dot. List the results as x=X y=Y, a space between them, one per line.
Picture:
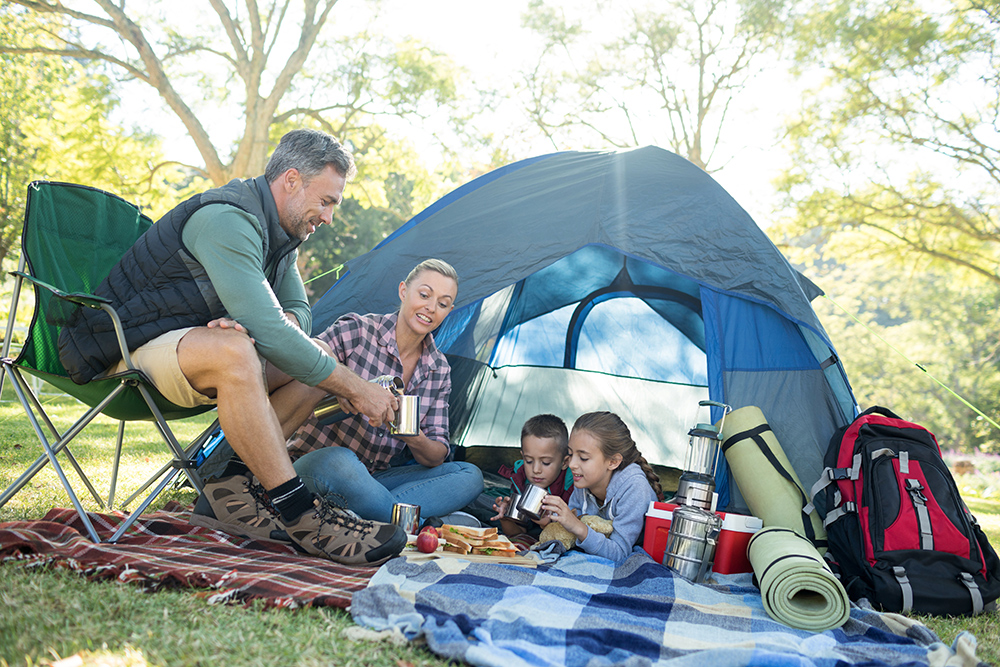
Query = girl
x=612 y=480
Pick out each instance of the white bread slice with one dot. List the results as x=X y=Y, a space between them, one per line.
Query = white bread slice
x=469 y=532
x=498 y=542
x=456 y=540
x=448 y=546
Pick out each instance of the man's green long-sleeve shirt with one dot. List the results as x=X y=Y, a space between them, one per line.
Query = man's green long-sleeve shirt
x=233 y=261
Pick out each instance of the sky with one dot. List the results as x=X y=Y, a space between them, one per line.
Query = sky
x=486 y=38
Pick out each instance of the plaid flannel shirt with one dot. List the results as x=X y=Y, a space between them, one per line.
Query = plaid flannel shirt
x=367 y=345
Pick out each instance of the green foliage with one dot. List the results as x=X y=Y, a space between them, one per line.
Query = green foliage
x=54 y=125
x=666 y=75
x=915 y=327
x=892 y=194
x=898 y=140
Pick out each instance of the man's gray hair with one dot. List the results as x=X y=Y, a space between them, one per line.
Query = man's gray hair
x=309 y=152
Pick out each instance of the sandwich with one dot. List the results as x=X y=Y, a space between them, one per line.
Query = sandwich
x=498 y=547
x=468 y=540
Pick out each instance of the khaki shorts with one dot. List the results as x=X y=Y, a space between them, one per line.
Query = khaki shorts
x=158 y=360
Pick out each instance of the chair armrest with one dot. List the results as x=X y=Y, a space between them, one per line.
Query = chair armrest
x=79 y=298
x=89 y=301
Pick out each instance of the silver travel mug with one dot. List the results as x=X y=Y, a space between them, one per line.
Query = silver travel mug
x=406 y=517
x=512 y=512
x=530 y=503
x=407 y=421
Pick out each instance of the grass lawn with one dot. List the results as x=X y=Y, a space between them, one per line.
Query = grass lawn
x=51 y=614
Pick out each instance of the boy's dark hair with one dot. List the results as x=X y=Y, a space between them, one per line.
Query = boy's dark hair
x=548 y=426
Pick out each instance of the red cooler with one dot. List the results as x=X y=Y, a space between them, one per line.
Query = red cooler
x=731 y=551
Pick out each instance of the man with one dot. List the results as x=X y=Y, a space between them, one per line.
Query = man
x=208 y=292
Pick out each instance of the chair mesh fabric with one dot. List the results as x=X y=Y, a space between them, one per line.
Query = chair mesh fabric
x=73 y=235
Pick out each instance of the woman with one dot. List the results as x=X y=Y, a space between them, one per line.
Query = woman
x=368 y=469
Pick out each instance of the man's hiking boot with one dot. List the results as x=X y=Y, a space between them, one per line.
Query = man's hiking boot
x=239 y=505
x=342 y=536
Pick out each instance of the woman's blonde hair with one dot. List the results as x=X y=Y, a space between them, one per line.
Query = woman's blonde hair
x=613 y=436
x=436 y=265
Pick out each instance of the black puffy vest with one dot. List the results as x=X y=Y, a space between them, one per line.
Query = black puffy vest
x=158 y=286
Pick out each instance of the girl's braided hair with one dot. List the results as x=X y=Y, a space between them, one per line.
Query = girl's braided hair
x=614 y=437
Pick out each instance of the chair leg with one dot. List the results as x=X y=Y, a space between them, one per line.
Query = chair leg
x=114 y=466
x=189 y=455
x=168 y=436
x=11 y=318
x=63 y=440
x=168 y=472
x=50 y=453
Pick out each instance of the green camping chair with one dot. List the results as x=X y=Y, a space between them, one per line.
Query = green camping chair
x=73 y=235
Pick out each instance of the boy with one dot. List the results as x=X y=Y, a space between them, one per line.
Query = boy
x=544 y=463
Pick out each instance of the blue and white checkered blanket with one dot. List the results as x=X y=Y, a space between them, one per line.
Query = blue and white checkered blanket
x=585 y=611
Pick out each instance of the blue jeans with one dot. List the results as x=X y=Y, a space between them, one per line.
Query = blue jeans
x=336 y=472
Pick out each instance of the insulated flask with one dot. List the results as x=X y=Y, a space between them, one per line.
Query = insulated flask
x=694 y=532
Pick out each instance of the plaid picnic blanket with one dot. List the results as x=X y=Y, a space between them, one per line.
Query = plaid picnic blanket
x=163 y=550
x=584 y=611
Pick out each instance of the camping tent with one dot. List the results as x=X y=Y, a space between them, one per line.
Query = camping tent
x=627 y=281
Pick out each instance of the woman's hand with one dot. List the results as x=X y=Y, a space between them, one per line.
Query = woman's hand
x=427 y=452
x=559 y=511
x=409 y=439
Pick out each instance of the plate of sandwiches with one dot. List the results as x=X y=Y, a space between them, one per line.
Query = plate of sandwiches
x=476 y=544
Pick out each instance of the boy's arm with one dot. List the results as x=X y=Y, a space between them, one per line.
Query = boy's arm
x=511 y=527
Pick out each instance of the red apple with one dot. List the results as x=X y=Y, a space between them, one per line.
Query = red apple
x=431 y=529
x=427 y=541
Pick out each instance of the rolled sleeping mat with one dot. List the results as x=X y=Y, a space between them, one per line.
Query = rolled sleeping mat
x=766 y=479
x=796 y=585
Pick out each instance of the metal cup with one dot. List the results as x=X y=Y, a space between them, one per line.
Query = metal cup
x=530 y=503
x=407 y=421
x=406 y=517
x=512 y=512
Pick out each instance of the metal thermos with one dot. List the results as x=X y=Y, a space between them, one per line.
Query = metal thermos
x=694 y=533
x=696 y=486
x=329 y=408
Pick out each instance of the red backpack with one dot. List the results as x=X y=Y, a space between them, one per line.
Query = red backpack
x=899 y=533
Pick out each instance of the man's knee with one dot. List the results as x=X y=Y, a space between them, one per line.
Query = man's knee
x=215 y=356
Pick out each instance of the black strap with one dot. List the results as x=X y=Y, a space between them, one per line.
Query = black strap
x=786 y=557
x=755 y=435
